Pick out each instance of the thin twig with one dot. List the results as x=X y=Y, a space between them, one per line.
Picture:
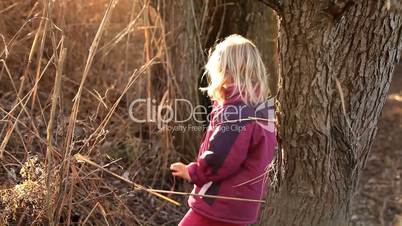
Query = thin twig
x=157 y=192
x=82 y=158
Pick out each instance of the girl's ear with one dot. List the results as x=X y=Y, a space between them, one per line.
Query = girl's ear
x=228 y=79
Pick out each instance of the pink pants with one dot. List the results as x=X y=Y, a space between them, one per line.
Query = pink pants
x=194 y=219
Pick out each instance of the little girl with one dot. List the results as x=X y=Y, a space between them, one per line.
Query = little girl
x=239 y=143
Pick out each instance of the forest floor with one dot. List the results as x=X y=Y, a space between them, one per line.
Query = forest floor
x=378 y=201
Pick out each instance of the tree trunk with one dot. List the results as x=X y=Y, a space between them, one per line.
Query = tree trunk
x=336 y=63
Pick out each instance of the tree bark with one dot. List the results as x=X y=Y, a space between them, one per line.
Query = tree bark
x=335 y=69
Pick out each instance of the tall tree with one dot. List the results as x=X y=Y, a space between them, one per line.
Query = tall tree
x=336 y=62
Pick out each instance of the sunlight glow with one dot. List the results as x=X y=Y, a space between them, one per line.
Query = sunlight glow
x=397 y=97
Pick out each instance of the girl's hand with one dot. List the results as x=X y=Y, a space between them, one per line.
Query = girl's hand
x=180 y=170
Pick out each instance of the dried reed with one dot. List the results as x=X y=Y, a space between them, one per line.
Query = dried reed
x=56 y=103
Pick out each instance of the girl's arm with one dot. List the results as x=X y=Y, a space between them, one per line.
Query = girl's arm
x=228 y=148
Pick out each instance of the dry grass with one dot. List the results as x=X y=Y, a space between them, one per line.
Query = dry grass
x=69 y=70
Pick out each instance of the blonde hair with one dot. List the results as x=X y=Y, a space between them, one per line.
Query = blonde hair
x=236 y=60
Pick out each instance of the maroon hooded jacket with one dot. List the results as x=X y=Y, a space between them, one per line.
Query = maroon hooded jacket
x=235 y=153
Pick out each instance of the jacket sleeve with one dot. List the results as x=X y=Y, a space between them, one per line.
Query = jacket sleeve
x=227 y=150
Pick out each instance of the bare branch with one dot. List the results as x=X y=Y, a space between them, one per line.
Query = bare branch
x=338 y=7
x=273 y=4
